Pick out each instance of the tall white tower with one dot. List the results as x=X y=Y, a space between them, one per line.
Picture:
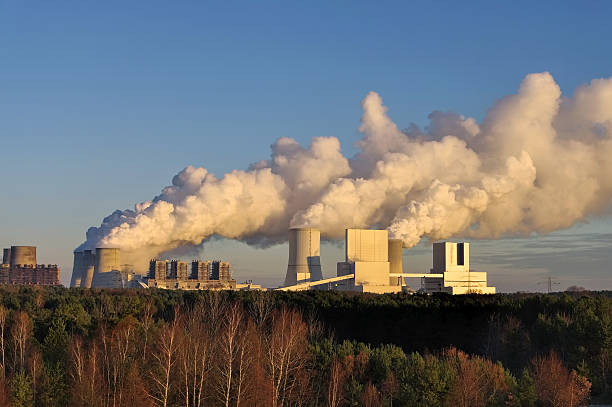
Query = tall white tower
x=304 y=256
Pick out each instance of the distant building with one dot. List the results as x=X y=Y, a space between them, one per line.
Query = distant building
x=19 y=268
x=204 y=275
x=451 y=262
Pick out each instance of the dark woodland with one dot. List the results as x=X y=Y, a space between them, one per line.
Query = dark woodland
x=73 y=347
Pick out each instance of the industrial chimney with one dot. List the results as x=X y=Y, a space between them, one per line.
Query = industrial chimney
x=304 y=256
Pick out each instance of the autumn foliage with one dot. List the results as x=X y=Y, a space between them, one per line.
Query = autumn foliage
x=213 y=349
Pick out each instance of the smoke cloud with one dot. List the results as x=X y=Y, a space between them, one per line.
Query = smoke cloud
x=538 y=162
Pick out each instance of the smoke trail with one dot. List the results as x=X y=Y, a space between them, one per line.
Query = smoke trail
x=538 y=162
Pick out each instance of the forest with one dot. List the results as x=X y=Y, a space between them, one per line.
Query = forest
x=80 y=347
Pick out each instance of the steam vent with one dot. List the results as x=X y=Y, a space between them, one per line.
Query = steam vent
x=19 y=268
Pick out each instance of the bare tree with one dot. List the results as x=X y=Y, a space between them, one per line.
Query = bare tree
x=336 y=381
x=261 y=307
x=35 y=365
x=556 y=386
x=164 y=358
x=3 y=315
x=92 y=373
x=287 y=356
x=245 y=360
x=77 y=372
x=147 y=323
x=194 y=356
x=228 y=350
x=371 y=397
x=20 y=333
x=122 y=349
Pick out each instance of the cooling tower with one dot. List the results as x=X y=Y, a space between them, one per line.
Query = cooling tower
x=107 y=267
x=23 y=255
x=87 y=269
x=6 y=256
x=77 y=270
x=395 y=260
x=304 y=256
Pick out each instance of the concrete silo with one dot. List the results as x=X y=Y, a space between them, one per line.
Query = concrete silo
x=77 y=270
x=395 y=260
x=87 y=268
x=107 y=268
x=304 y=256
x=23 y=255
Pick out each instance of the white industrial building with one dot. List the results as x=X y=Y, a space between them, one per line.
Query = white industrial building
x=373 y=263
x=451 y=262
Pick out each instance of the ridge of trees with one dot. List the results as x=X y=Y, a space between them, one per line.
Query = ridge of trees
x=169 y=348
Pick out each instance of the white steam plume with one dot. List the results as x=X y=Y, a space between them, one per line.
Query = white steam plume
x=538 y=162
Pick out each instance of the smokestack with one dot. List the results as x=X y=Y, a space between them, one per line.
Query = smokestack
x=23 y=255
x=395 y=260
x=6 y=256
x=77 y=270
x=87 y=269
x=304 y=256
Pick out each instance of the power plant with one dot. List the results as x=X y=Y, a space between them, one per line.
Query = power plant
x=102 y=269
x=372 y=264
x=19 y=267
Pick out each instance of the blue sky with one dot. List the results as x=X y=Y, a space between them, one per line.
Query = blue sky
x=101 y=103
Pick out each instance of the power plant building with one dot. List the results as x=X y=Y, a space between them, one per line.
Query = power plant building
x=19 y=267
x=373 y=263
x=204 y=275
x=103 y=269
x=367 y=260
x=451 y=261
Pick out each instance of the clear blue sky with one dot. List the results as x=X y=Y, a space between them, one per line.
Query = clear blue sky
x=101 y=103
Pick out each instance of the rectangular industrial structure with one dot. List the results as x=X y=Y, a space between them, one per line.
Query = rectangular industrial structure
x=203 y=275
x=452 y=261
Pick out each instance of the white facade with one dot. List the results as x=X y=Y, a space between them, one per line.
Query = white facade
x=366 y=245
x=367 y=259
x=452 y=261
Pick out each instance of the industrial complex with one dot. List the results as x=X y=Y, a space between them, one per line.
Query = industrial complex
x=102 y=268
x=203 y=275
x=372 y=264
x=19 y=267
